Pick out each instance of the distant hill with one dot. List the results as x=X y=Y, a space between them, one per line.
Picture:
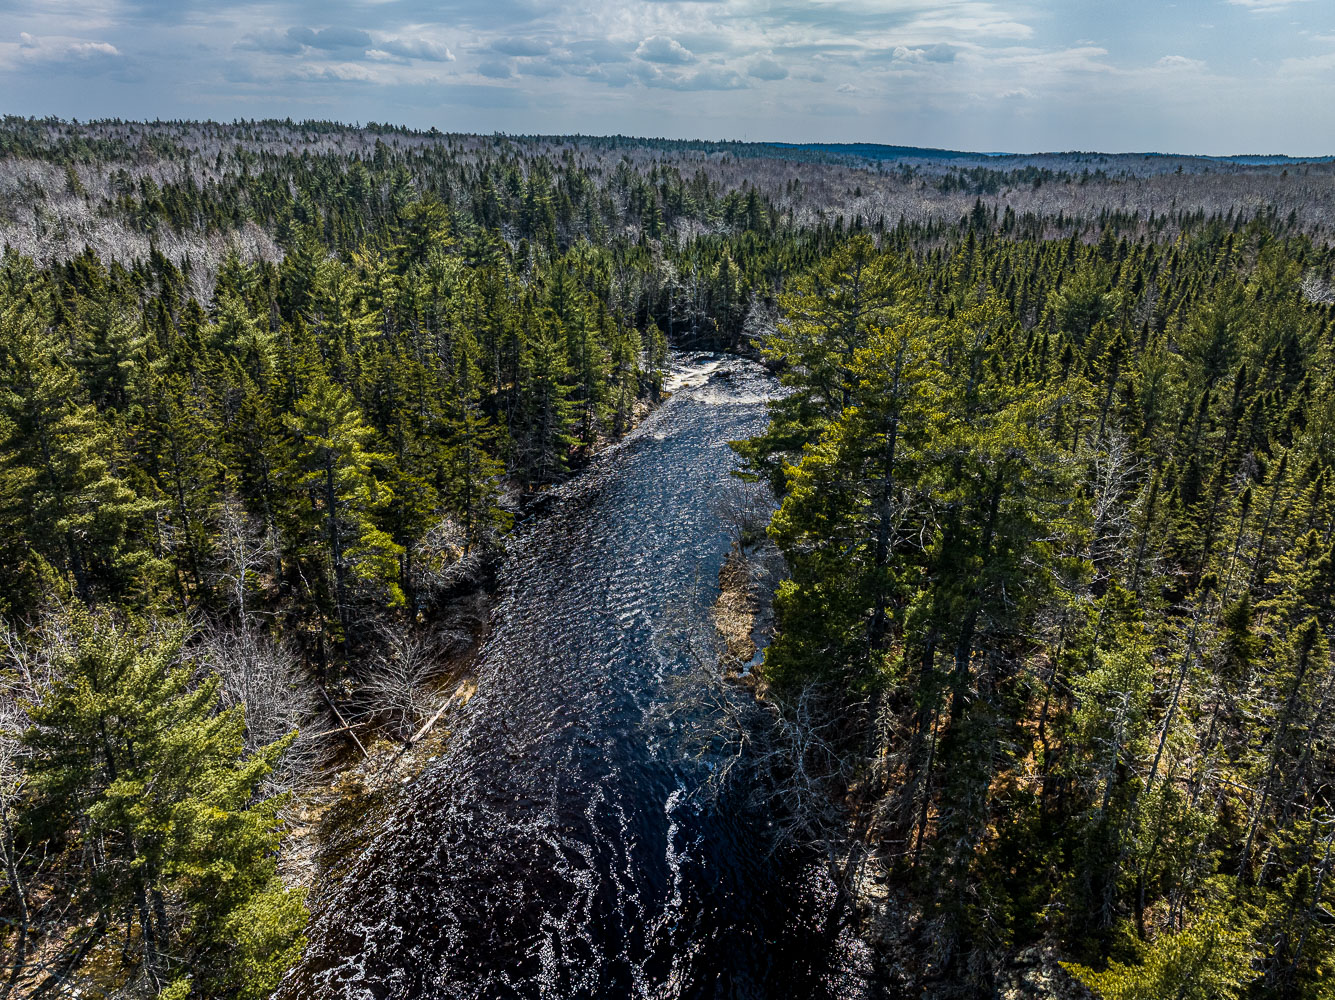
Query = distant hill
x=880 y=152
x=877 y=151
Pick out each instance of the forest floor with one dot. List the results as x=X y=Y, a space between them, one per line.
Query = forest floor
x=331 y=818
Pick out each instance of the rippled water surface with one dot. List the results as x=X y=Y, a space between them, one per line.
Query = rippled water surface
x=556 y=848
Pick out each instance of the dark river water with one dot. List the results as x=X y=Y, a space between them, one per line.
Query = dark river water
x=559 y=846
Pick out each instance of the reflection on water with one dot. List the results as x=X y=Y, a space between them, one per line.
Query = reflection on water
x=554 y=849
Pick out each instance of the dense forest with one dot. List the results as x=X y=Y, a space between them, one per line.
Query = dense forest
x=1055 y=503
x=1059 y=530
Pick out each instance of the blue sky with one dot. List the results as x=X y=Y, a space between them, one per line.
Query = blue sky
x=1204 y=76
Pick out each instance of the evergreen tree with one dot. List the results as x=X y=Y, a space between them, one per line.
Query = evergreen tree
x=68 y=511
x=333 y=500
x=1211 y=959
x=137 y=761
x=543 y=432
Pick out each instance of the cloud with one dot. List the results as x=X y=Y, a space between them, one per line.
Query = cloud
x=939 y=53
x=268 y=40
x=765 y=68
x=964 y=73
x=416 y=48
x=297 y=39
x=661 y=49
x=1180 y=63
x=719 y=40
x=715 y=78
x=45 y=49
x=521 y=46
x=538 y=67
x=338 y=73
x=1306 y=70
x=330 y=39
x=591 y=53
x=611 y=76
x=75 y=56
x=846 y=88
x=926 y=21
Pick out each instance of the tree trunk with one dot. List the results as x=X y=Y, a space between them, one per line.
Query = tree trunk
x=20 y=897
x=876 y=631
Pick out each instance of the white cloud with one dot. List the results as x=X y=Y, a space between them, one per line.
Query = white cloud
x=766 y=68
x=999 y=73
x=77 y=54
x=330 y=39
x=661 y=49
x=416 y=48
x=338 y=72
x=716 y=78
x=1180 y=63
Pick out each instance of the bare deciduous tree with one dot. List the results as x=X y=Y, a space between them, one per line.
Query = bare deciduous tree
x=1114 y=471
x=744 y=508
x=244 y=554
x=788 y=758
x=442 y=561
x=26 y=669
x=396 y=687
x=265 y=678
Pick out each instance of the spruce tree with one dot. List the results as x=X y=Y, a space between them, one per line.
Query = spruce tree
x=332 y=504
x=64 y=500
x=135 y=764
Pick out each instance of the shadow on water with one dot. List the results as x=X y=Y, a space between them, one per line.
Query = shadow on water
x=556 y=848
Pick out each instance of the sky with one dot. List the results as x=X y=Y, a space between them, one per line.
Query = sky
x=1195 y=76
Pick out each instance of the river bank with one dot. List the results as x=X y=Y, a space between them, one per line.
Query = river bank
x=327 y=817
x=334 y=820
x=561 y=843
x=743 y=613
x=891 y=928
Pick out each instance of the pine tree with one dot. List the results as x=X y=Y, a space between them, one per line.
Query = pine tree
x=829 y=315
x=150 y=779
x=75 y=514
x=472 y=473
x=178 y=447
x=334 y=498
x=542 y=433
x=1209 y=960
x=589 y=365
x=847 y=507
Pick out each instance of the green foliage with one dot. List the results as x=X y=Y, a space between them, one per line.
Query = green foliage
x=1211 y=959
x=316 y=453
x=847 y=507
x=1057 y=512
x=334 y=497
x=65 y=504
x=1072 y=562
x=133 y=758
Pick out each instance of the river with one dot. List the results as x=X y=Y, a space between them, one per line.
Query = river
x=560 y=846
